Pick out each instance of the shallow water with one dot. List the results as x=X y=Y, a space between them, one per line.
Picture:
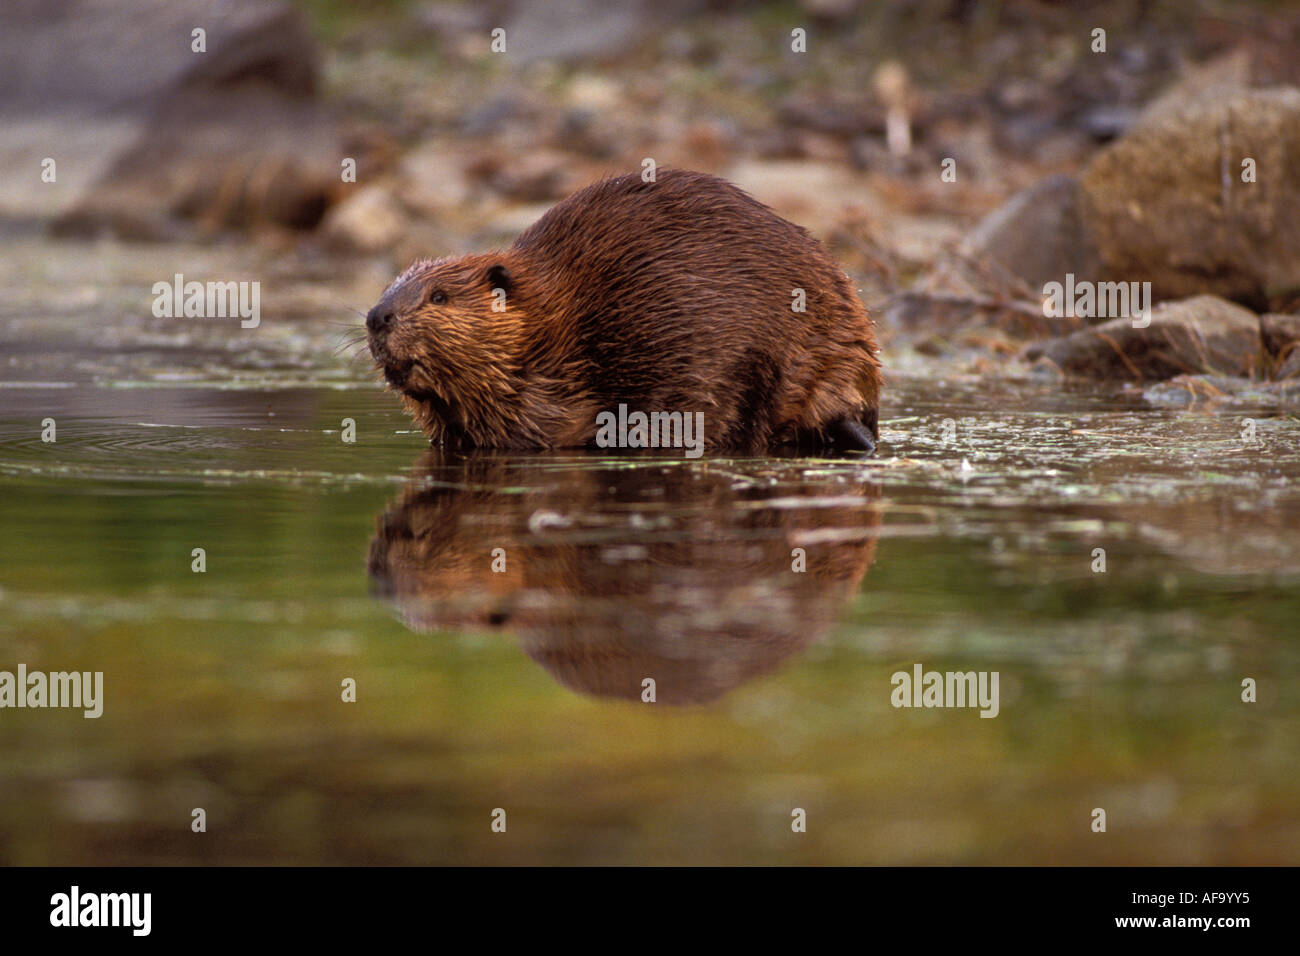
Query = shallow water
x=962 y=546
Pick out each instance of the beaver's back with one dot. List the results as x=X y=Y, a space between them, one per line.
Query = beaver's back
x=676 y=295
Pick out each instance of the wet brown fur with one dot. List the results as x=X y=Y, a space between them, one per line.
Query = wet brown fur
x=670 y=296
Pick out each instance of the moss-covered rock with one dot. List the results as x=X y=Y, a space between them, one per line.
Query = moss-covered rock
x=1168 y=204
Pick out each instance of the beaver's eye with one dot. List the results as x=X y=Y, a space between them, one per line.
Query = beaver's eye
x=438 y=298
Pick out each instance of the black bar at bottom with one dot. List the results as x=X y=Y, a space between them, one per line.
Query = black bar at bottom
x=331 y=906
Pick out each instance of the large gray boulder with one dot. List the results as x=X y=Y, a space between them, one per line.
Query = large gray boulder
x=144 y=131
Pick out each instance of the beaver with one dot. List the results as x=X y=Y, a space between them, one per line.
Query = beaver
x=714 y=598
x=676 y=295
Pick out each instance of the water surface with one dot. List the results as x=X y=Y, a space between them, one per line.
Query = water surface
x=967 y=543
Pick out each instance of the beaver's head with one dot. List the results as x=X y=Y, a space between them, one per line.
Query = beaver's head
x=447 y=334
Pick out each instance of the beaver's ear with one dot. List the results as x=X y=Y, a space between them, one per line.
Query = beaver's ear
x=498 y=277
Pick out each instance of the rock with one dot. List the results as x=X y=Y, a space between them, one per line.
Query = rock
x=930 y=314
x=451 y=19
x=1280 y=334
x=127 y=55
x=284 y=174
x=1106 y=121
x=1195 y=389
x=145 y=130
x=1221 y=390
x=810 y=193
x=590 y=91
x=1226 y=74
x=1167 y=204
x=586 y=29
x=492 y=117
x=1201 y=335
x=543 y=175
x=368 y=221
x=831 y=11
x=1281 y=337
x=1044 y=369
x=1037 y=235
x=432 y=179
x=837 y=116
x=1290 y=368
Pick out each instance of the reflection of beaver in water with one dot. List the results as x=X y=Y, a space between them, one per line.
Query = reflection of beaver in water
x=612 y=575
x=673 y=296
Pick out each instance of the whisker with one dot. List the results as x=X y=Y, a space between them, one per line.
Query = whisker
x=343 y=305
x=351 y=340
x=350 y=348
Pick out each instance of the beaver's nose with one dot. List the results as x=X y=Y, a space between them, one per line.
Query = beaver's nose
x=379 y=319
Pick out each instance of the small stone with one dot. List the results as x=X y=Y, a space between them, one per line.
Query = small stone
x=369 y=221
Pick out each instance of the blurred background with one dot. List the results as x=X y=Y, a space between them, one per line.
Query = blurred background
x=954 y=156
